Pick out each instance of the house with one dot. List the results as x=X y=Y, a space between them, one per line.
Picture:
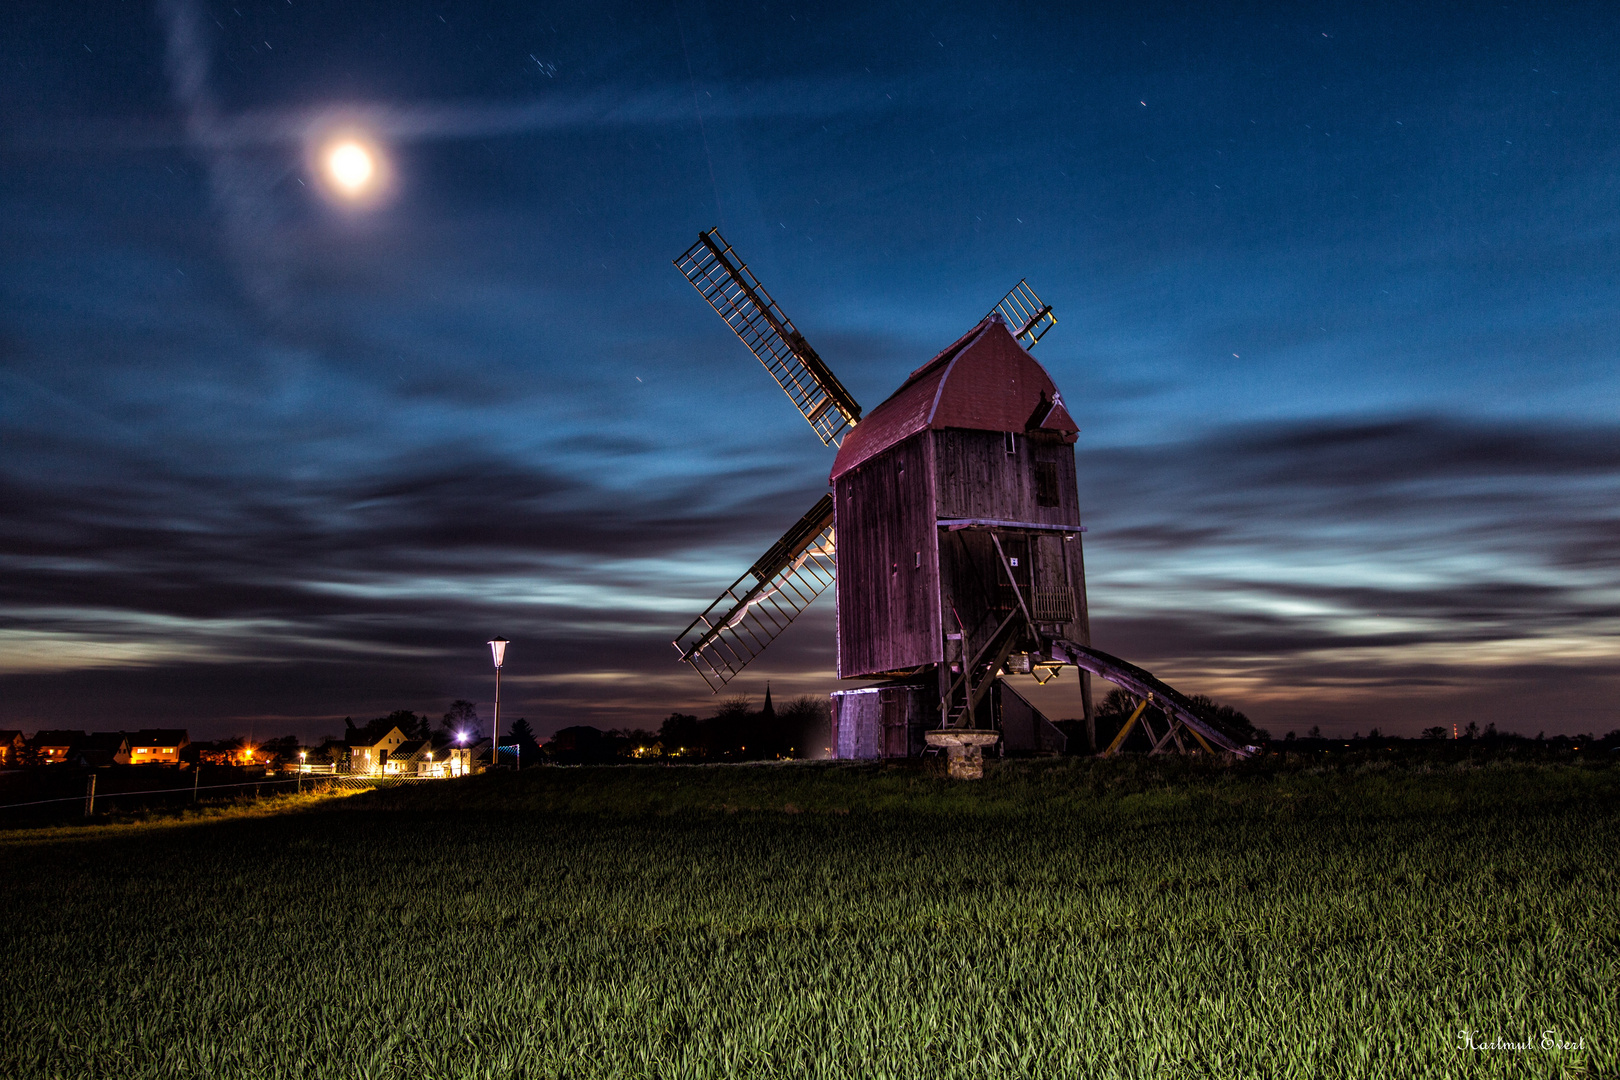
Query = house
x=439 y=758
x=53 y=746
x=370 y=757
x=409 y=758
x=157 y=746
x=100 y=748
x=12 y=745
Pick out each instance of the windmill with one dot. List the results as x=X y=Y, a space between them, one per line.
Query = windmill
x=952 y=533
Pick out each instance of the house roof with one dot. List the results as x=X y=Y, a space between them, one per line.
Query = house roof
x=57 y=738
x=10 y=736
x=411 y=749
x=361 y=744
x=158 y=737
x=985 y=381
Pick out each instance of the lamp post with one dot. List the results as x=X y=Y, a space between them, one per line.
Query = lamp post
x=497 y=649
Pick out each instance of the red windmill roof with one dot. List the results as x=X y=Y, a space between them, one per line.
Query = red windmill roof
x=985 y=381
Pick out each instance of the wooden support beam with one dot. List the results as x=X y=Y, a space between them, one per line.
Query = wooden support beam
x=1207 y=748
x=1163 y=740
x=1126 y=730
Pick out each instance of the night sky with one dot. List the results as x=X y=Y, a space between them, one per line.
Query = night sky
x=1338 y=292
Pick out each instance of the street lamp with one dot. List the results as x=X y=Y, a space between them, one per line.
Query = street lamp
x=497 y=649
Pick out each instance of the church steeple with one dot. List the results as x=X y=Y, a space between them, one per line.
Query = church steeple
x=768 y=711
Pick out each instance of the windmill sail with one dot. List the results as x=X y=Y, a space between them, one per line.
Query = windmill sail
x=1025 y=315
x=760 y=604
x=732 y=290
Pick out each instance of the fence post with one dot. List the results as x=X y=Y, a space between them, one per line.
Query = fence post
x=90 y=796
x=196 y=778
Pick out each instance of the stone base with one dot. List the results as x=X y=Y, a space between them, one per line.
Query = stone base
x=964 y=750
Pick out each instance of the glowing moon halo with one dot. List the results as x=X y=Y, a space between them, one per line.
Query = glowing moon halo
x=351 y=167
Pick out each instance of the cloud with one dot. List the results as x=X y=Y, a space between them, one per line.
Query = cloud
x=1317 y=566
x=1298 y=570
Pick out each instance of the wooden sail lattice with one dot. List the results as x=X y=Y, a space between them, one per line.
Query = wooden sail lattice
x=1025 y=315
x=737 y=296
x=761 y=603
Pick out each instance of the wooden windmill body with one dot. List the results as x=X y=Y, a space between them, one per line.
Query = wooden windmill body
x=952 y=531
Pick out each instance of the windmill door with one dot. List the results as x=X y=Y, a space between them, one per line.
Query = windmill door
x=896 y=708
x=1016 y=549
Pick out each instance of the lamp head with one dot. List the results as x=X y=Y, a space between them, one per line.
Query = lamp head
x=497 y=649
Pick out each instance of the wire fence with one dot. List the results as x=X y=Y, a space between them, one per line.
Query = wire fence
x=296 y=784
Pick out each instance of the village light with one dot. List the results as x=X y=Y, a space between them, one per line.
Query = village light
x=497 y=649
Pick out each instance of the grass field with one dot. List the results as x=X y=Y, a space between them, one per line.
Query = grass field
x=1060 y=919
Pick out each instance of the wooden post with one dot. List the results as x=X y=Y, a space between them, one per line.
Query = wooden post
x=1091 y=714
x=90 y=797
x=196 y=778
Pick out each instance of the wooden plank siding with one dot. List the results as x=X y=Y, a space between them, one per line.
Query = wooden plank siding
x=888 y=565
x=977 y=478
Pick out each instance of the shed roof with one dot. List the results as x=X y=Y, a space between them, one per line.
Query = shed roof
x=985 y=381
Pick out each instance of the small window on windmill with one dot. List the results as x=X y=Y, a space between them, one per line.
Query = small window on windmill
x=1046 y=483
x=1009 y=443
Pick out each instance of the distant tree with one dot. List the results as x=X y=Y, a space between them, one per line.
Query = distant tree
x=1435 y=732
x=680 y=735
x=1228 y=719
x=1314 y=733
x=274 y=751
x=580 y=745
x=414 y=727
x=1116 y=703
x=528 y=747
x=627 y=741
x=727 y=732
x=462 y=718
x=1471 y=731
x=332 y=750
x=805 y=725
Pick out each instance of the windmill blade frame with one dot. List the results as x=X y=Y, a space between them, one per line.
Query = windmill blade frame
x=762 y=603
x=738 y=297
x=1025 y=315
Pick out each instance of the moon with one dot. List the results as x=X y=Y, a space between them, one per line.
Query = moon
x=351 y=167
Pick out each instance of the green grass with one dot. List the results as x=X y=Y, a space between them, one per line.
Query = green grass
x=1064 y=919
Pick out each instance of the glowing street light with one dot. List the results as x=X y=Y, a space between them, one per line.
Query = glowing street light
x=497 y=649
